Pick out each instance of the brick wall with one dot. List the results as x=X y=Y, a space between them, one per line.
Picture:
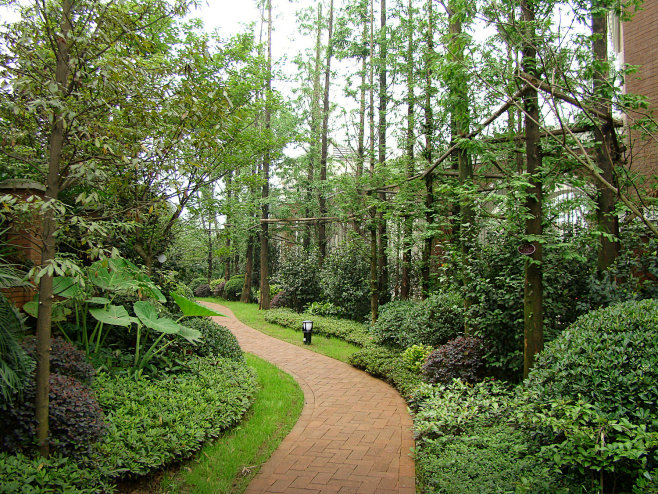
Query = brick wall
x=641 y=48
x=22 y=238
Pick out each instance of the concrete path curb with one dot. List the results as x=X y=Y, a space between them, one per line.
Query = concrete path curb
x=354 y=434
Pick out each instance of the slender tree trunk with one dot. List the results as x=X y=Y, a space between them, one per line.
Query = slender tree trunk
x=316 y=120
x=605 y=146
x=429 y=135
x=229 y=195
x=248 y=270
x=533 y=289
x=210 y=267
x=322 y=232
x=383 y=103
x=48 y=228
x=264 y=302
x=374 y=279
x=361 y=151
x=405 y=284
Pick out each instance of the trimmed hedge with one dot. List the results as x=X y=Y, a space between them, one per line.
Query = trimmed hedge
x=389 y=365
x=350 y=331
x=233 y=287
x=216 y=340
x=152 y=423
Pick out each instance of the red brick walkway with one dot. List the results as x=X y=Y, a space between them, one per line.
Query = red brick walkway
x=354 y=433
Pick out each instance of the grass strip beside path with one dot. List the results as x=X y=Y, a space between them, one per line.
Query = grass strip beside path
x=254 y=318
x=227 y=464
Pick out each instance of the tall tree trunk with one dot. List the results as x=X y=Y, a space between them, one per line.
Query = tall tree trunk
x=322 y=226
x=405 y=284
x=605 y=153
x=460 y=123
x=264 y=302
x=229 y=195
x=383 y=103
x=361 y=151
x=533 y=288
x=429 y=144
x=48 y=228
x=316 y=120
x=210 y=267
x=374 y=279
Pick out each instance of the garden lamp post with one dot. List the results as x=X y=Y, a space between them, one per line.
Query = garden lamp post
x=307 y=328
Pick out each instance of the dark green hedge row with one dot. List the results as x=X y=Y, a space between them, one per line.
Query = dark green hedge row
x=350 y=331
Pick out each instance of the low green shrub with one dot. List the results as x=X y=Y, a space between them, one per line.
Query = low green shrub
x=196 y=282
x=214 y=283
x=216 y=340
x=218 y=290
x=183 y=290
x=233 y=287
x=20 y=474
x=299 y=276
x=325 y=309
x=461 y=358
x=75 y=419
x=432 y=321
x=344 y=329
x=414 y=357
x=609 y=358
x=387 y=364
x=152 y=423
x=465 y=443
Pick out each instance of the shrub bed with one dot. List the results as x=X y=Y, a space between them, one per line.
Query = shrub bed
x=350 y=331
x=152 y=423
x=389 y=365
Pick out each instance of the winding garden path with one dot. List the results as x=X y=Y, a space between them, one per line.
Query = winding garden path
x=354 y=433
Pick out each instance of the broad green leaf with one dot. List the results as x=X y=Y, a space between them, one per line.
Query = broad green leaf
x=115 y=315
x=31 y=308
x=98 y=300
x=59 y=313
x=190 y=308
x=165 y=325
x=66 y=287
x=191 y=335
x=105 y=279
x=146 y=313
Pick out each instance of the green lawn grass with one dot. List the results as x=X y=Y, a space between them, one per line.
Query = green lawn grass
x=227 y=464
x=252 y=317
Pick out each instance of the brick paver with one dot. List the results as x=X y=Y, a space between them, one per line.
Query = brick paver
x=354 y=433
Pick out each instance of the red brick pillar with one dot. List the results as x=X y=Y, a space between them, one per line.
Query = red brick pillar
x=22 y=238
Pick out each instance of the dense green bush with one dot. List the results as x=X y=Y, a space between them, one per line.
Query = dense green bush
x=350 y=331
x=233 y=287
x=299 y=277
x=496 y=293
x=466 y=443
x=152 y=423
x=414 y=357
x=65 y=359
x=345 y=280
x=216 y=340
x=280 y=301
x=20 y=474
x=325 y=309
x=214 y=283
x=197 y=281
x=183 y=290
x=15 y=364
x=461 y=358
x=609 y=358
x=433 y=321
x=75 y=419
x=218 y=290
x=387 y=364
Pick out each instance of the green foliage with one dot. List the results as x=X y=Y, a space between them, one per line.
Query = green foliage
x=152 y=423
x=345 y=280
x=387 y=364
x=15 y=364
x=75 y=419
x=609 y=358
x=218 y=291
x=414 y=357
x=233 y=287
x=203 y=290
x=350 y=331
x=20 y=474
x=461 y=358
x=326 y=309
x=280 y=301
x=216 y=340
x=196 y=282
x=182 y=290
x=433 y=321
x=465 y=443
x=214 y=283
x=299 y=277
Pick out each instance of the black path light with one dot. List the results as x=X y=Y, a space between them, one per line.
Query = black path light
x=307 y=328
